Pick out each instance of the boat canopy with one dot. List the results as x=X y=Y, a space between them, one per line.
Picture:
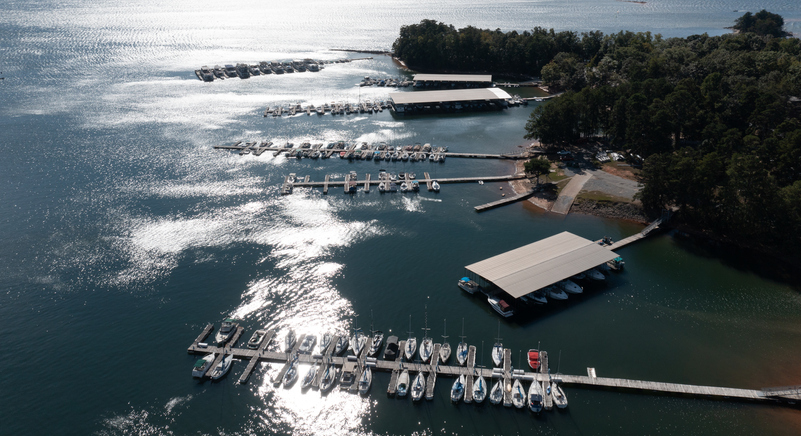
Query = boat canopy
x=200 y=363
x=465 y=279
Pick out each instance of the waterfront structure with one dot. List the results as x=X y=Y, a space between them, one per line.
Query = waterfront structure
x=452 y=81
x=450 y=100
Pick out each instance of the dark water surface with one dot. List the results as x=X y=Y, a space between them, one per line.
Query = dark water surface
x=124 y=232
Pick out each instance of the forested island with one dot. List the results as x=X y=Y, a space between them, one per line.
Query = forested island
x=716 y=120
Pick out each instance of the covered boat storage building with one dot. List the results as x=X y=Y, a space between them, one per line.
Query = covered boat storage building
x=456 y=99
x=534 y=266
x=452 y=80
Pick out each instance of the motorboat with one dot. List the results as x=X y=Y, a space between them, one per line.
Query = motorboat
x=479 y=389
x=538 y=297
x=257 y=338
x=291 y=373
x=403 y=383
x=415 y=186
x=307 y=345
x=365 y=380
x=594 y=274
x=535 y=397
x=496 y=394
x=500 y=306
x=329 y=378
x=616 y=264
x=569 y=286
x=419 y=387
x=290 y=340
x=579 y=276
x=357 y=341
x=309 y=377
x=558 y=395
x=391 y=351
x=534 y=359
x=226 y=332
x=556 y=293
x=435 y=186
x=457 y=390
x=202 y=365
x=426 y=349
x=404 y=187
x=378 y=340
x=222 y=368
x=468 y=285
x=518 y=394
x=341 y=345
x=327 y=337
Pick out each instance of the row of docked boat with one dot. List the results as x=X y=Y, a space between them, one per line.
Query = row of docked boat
x=351 y=151
x=333 y=108
x=386 y=81
x=559 y=291
x=244 y=70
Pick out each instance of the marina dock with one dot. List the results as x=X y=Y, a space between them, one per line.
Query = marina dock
x=505 y=201
x=776 y=395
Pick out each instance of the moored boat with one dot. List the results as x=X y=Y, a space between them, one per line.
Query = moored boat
x=327 y=337
x=391 y=351
x=594 y=274
x=468 y=285
x=435 y=186
x=410 y=348
x=426 y=349
x=445 y=348
x=538 y=297
x=309 y=377
x=341 y=345
x=558 y=395
x=307 y=345
x=419 y=387
x=257 y=338
x=556 y=293
x=496 y=394
x=291 y=373
x=534 y=359
x=365 y=380
x=457 y=390
x=403 y=383
x=479 y=389
x=569 y=286
x=519 y=394
x=226 y=332
x=357 y=341
x=535 y=396
x=202 y=365
x=289 y=340
x=500 y=306
x=222 y=368
x=378 y=340
x=329 y=378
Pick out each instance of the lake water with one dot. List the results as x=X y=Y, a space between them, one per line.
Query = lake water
x=124 y=232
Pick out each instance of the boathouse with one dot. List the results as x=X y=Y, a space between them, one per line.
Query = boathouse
x=452 y=81
x=540 y=264
x=450 y=100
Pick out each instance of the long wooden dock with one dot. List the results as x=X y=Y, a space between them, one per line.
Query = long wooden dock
x=786 y=395
x=506 y=200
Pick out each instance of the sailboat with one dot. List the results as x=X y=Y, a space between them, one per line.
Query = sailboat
x=327 y=337
x=419 y=387
x=457 y=390
x=445 y=348
x=309 y=377
x=289 y=341
x=558 y=395
x=378 y=339
x=427 y=346
x=329 y=378
x=357 y=341
x=479 y=389
x=403 y=383
x=365 y=380
x=411 y=343
x=341 y=345
x=496 y=394
x=535 y=396
x=462 y=349
x=518 y=394
x=497 y=349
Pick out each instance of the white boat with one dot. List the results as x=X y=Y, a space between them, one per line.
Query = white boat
x=445 y=348
x=419 y=387
x=365 y=380
x=357 y=342
x=341 y=345
x=289 y=341
x=291 y=373
x=404 y=187
x=257 y=338
x=479 y=389
x=202 y=365
x=327 y=337
x=556 y=293
x=496 y=394
x=594 y=274
x=309 y=377
x=426 y=349
x=457 y=390
x=518 y=394
x=222 y=368
x=403 y=383
x=378 y=340
x=497 y=348
x=435 y=186
x=307 y=345
x=410 y=348
x=329 y=378
x=558 y=395
x=535 y=396
x=568 y=286
x=227 y=330
x=468 y=285
x=461 y=353
x=500 y=306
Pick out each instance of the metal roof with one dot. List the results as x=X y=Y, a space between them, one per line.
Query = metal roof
x=416 y=97
x=542 y=263
x=453 y=77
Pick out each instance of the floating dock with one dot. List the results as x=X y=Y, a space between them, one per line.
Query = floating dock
x=784 y=395
x=505 y=201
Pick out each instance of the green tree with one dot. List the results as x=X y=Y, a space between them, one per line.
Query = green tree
x=537 y=167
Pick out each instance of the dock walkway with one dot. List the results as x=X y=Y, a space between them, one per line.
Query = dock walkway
x=505 y=201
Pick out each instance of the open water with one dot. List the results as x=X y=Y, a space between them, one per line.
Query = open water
x=123 y=232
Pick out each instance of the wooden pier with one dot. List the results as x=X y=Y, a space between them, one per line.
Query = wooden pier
x=785 y=395
x=637 y=236
x=505 y=201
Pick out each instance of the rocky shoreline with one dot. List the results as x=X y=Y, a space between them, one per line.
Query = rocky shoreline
x=611 y=209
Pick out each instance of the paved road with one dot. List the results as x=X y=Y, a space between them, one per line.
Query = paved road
x=568 y=195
